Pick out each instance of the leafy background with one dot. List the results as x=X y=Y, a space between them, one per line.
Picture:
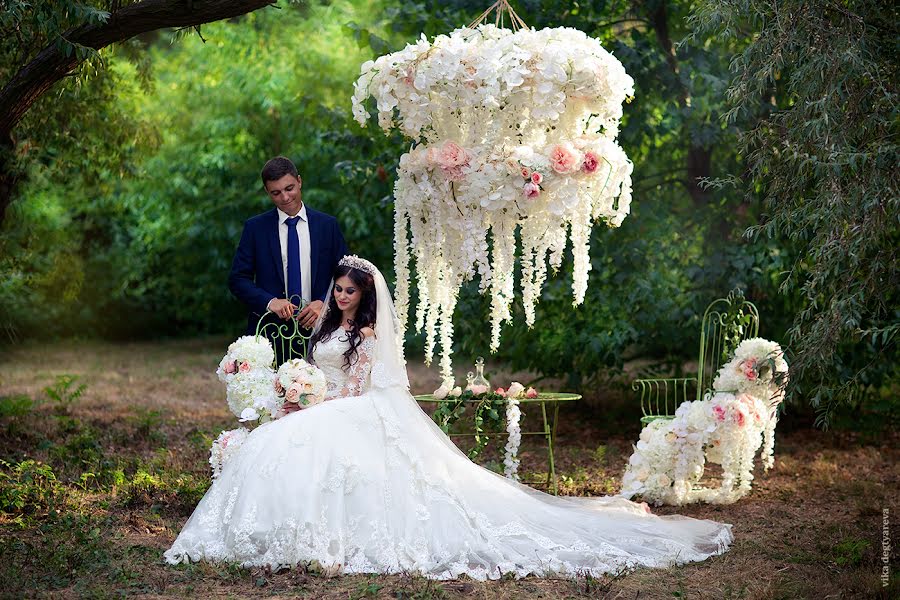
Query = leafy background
x=141 y=170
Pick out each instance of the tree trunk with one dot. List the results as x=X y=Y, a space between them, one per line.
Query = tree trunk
x=698 y=157
x=52 y=63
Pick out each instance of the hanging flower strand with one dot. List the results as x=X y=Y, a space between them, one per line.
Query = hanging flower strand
x=512 y=130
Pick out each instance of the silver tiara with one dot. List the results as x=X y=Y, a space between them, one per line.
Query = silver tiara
x=355 y=262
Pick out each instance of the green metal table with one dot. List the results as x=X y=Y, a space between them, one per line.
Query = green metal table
x=549 y=430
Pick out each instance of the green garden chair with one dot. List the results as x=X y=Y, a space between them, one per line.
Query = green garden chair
x=288 y=340
x=726 y=323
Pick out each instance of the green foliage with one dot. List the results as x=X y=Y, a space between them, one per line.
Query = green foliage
x=819 y=141
x=15 y=406
x=62 y=394
x=488 y=416
x=27 y=489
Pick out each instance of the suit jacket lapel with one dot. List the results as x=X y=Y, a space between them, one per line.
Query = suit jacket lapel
x=314 y=244
x=275 y=244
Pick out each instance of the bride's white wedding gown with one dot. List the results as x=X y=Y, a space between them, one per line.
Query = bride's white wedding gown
x=367 y=481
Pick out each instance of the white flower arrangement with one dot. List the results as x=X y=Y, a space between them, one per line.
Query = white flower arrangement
x=513 y=415
x=727 y=428
x=225 y=447
x=251 y=397
x=511 y=130
x=758 y=367
x=245 y=355
x=299 y=382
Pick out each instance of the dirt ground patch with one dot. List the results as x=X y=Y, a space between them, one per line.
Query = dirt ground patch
x=118 y=470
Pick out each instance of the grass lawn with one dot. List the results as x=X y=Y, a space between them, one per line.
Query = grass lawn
x=94 y=487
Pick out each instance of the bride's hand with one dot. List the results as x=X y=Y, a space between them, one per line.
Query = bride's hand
x=290 y=407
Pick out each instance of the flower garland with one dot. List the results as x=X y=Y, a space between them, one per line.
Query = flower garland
x=728 y=427
x=486 y=417
x=225 y=447
x=511 y=130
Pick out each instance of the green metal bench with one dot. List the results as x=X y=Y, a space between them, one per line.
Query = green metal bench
x=726 y=323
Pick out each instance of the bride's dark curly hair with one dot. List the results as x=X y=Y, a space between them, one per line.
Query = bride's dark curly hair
x=365 y=313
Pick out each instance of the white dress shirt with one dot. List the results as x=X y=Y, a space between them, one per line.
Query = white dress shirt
x=305 y=256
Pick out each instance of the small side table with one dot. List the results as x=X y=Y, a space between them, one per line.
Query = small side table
x=549 y=430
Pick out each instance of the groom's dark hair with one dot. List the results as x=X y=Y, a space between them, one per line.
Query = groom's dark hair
x=277 y=168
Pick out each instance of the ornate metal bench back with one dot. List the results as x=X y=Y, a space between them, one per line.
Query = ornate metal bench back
x=726 y=323
x=287 y=338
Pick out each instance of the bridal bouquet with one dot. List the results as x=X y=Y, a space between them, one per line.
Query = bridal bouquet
x=511 y=130
x=246 y=370
x=246 y=355
x=225 y=447
x=300 y=382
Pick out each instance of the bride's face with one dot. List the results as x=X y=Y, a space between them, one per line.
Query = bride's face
x=346 y=294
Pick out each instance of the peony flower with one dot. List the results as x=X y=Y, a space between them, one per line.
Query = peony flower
x=590 y=162
x=293 y=394
x=563 y=158
x=230 y=367
x=500 y=392
x=531 y=190
x=719 y=411
x=749 y=369
x=536 y=178
x=452 y=155
x=526 y=172
x=531 y=393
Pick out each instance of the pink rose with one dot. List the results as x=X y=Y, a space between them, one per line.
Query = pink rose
x=500 y=391
x=478 y=389
x=452 y=155
x=563 y=158
x=230 y=368
x=749 y=368
x=526 y=172
x=531 y=190
x=589 y=165
x=739 y=417
x=278 y=387
x=719 y=412
x=293 y=394
x=245 y=367
x=536 y=178
x=531 y=393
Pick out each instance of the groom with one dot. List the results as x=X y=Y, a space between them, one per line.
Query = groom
x=286 y=256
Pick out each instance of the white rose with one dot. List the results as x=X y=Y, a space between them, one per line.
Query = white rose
x=441 y=392
x=515 y=389
x=455 y=392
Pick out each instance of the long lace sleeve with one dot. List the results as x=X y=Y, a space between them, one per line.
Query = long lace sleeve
x=358 y=374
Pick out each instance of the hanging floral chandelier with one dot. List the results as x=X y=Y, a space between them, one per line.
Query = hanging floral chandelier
x=511 y=129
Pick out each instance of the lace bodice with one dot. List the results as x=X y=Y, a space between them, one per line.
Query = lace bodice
x=328 y=355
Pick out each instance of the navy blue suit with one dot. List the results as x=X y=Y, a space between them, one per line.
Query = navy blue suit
x=257 y=274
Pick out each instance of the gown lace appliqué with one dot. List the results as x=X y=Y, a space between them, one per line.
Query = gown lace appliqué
x=367 y=481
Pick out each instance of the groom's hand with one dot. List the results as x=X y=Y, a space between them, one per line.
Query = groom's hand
x=310 y=314
x=282 y=308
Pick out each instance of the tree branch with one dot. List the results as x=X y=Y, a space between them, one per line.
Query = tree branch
x=51 y=64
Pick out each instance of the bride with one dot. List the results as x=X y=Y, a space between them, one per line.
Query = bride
x=366 y=482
